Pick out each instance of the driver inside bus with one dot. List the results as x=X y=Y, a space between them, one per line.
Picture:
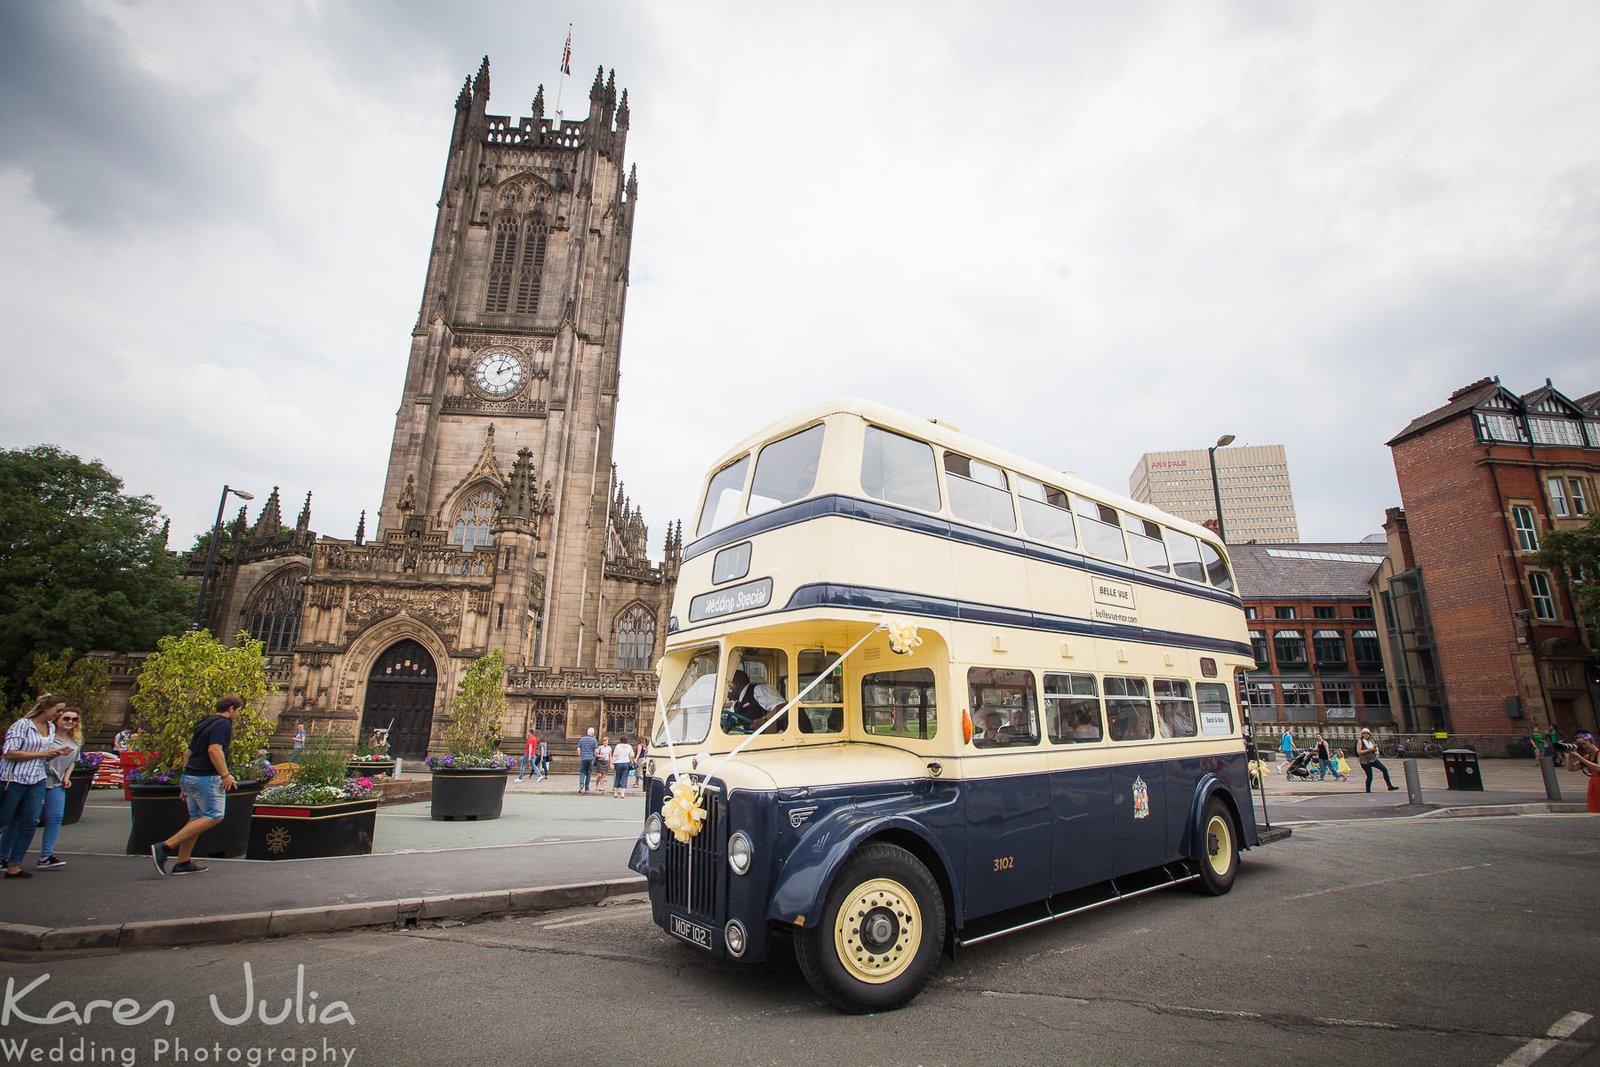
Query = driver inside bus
x=750 y=705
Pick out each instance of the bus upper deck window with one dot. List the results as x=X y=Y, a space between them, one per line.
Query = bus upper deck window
x=1185 y=556
x=899 y=470
x=723 y=496
x=979 y=492
x=1216 y=566
x=786 y=470
x=1102 y=533
x=1144 y=539
x=1047 y=513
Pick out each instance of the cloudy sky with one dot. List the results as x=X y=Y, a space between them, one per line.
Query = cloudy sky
x=1080 y=231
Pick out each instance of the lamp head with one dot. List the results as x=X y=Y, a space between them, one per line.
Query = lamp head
x=242 y=495
x=1225 y=440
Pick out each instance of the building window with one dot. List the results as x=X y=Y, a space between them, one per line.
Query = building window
x=1499 y=427
x=1556 y=432
x=474 y=519
x=621 y=719
x=1250 y=613
x=1544 y=602
x=1283 y=613
x=1297 y=694
x=1561 y=676
x=1375 y=694
x=1262 y=698
x=1361 y=611
x=1258 y=647
x=502 y=261
x=1323 y=611
x=550 y=715
x=1368 y=650
x=1527 y=536
x=1290 y=645
x=1337 y=695
x=636 y=639
x=530 y=273
x=1329 y=647
x=1558 y=497
x=1580 y=504
x=273 y=617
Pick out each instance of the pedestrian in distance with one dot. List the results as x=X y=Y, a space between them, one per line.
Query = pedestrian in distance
x=123 y=742
x=1585 y=757
x=1367 y=754
x=204 y=786
x=29 y=746
x=1325 y=765
x=299 y=744
x=1286 y=744
x=622 y=764
x=602 y=760
x=541 y=759
x=529 y=756
x=58 y=776
x=587 y=747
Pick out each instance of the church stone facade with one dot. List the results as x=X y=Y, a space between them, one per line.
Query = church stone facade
x=503 y=524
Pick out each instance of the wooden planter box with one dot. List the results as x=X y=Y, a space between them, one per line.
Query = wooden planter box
x=468 y=795
x=309 y=831
x=369 y=768
x=159 y=811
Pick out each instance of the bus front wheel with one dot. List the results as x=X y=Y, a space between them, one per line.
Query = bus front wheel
x=880 y=934
x=1219 y=849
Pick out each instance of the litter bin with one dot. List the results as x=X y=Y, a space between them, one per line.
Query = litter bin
x=1461 y=769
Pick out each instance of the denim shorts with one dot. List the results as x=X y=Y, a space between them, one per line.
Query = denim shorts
x=204 y=794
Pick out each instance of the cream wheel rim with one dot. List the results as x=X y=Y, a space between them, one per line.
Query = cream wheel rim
x=877 y=931
x=1219 y=845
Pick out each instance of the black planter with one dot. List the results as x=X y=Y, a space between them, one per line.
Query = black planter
x=307 y=831
x=468 y=795
x=159 y=812
x=369 y=768
x=77 y=793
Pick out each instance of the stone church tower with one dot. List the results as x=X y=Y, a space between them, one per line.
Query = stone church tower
x=503 y=524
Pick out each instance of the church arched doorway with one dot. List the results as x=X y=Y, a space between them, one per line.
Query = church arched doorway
x=400 y=693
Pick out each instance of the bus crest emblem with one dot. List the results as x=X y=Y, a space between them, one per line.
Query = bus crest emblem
x=1141 y=799
x=798 y=816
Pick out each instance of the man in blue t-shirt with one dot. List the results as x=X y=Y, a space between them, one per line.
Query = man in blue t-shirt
x=205 y=784
x=587 y=746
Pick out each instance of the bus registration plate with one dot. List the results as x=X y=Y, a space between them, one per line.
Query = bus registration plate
x=693 y=933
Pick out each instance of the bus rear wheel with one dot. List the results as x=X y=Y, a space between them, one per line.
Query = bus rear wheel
x=880 y=934
x=1218 y=857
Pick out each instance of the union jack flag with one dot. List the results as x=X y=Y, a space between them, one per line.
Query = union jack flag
x=566 y=55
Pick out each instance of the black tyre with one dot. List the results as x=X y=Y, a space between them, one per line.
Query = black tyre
x=880 y=935
x=1218 y=856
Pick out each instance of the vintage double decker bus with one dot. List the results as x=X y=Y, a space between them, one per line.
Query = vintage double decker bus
x=973 y=695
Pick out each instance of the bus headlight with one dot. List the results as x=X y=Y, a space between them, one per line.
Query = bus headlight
x=733 y=937
x=652 y=831
x=740 y=853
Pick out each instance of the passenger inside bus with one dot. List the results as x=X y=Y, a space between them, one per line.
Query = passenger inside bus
x=988 y=733
x=1019 y=731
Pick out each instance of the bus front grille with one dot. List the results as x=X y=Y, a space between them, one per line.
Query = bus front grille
x=694 y=868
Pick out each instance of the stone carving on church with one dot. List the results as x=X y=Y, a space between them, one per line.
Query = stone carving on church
x=439 y=610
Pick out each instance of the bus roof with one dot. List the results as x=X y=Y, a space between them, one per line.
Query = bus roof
x=943 y=434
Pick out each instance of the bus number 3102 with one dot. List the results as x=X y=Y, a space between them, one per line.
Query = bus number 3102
x=1004 y=863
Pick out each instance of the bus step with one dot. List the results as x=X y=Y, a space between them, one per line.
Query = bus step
x=1269 y=834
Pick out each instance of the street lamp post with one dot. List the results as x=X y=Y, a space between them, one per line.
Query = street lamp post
x=1216 y=489
x=211 y=549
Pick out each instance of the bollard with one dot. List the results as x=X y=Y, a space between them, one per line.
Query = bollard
x=398 y=763
x=1552 y=785
x=1413 y=783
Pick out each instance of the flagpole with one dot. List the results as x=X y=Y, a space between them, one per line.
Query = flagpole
x=566 y=68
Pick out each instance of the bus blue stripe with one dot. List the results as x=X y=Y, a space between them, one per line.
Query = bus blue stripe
x=881 y=514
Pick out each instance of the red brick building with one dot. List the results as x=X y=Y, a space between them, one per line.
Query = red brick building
x=1481 y=479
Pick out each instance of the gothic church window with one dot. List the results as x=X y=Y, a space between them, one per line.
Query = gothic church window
x=531 y=269
x=636 y=639
x=273 y=617
x=474 y=519
x=502 y=261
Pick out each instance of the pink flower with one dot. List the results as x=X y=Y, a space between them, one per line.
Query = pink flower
x=366 y=783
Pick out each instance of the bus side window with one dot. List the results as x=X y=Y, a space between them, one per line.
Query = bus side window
x=1047 y=514
x=899 y=704
x=1144 y=538
x=1216 y=566
x=1072 y=709
x=1216 y=714
x=1128 y=708
x=1102 y=534
x=899 y=470
x=1003 y=710
x=723 y=497
x=978 y=492
x=768 y=671
x=1175 y=708
x=786 y=470
x=1185 y=556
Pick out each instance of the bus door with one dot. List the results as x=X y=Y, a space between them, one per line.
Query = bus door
x=1138 y=797
x=1006 y=795
x=1080 y=782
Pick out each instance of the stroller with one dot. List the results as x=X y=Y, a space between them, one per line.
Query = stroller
x=1299 y=768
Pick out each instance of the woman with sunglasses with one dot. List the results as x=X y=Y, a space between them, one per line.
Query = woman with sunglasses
x=30 y=744
x=58 y=775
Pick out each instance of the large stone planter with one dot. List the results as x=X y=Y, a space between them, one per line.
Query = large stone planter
x=307 y=831
x=159 y=811
x=77 y=793
x=468 y=795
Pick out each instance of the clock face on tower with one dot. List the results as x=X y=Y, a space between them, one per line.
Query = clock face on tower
x=499 y=373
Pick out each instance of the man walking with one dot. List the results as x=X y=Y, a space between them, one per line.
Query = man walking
x=204 y=785
x=530 y=756
x=587 y=746
x=541 y=759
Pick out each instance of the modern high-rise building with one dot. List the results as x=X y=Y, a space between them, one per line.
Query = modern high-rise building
x=1253 y=480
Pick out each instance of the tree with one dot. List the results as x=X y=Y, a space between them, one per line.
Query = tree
x=82 y=564
x=79 y=680
x=1575 y=554
x=181 y=682
x=474 y=730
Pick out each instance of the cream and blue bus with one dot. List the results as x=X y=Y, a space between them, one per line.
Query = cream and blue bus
x=986 y=695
